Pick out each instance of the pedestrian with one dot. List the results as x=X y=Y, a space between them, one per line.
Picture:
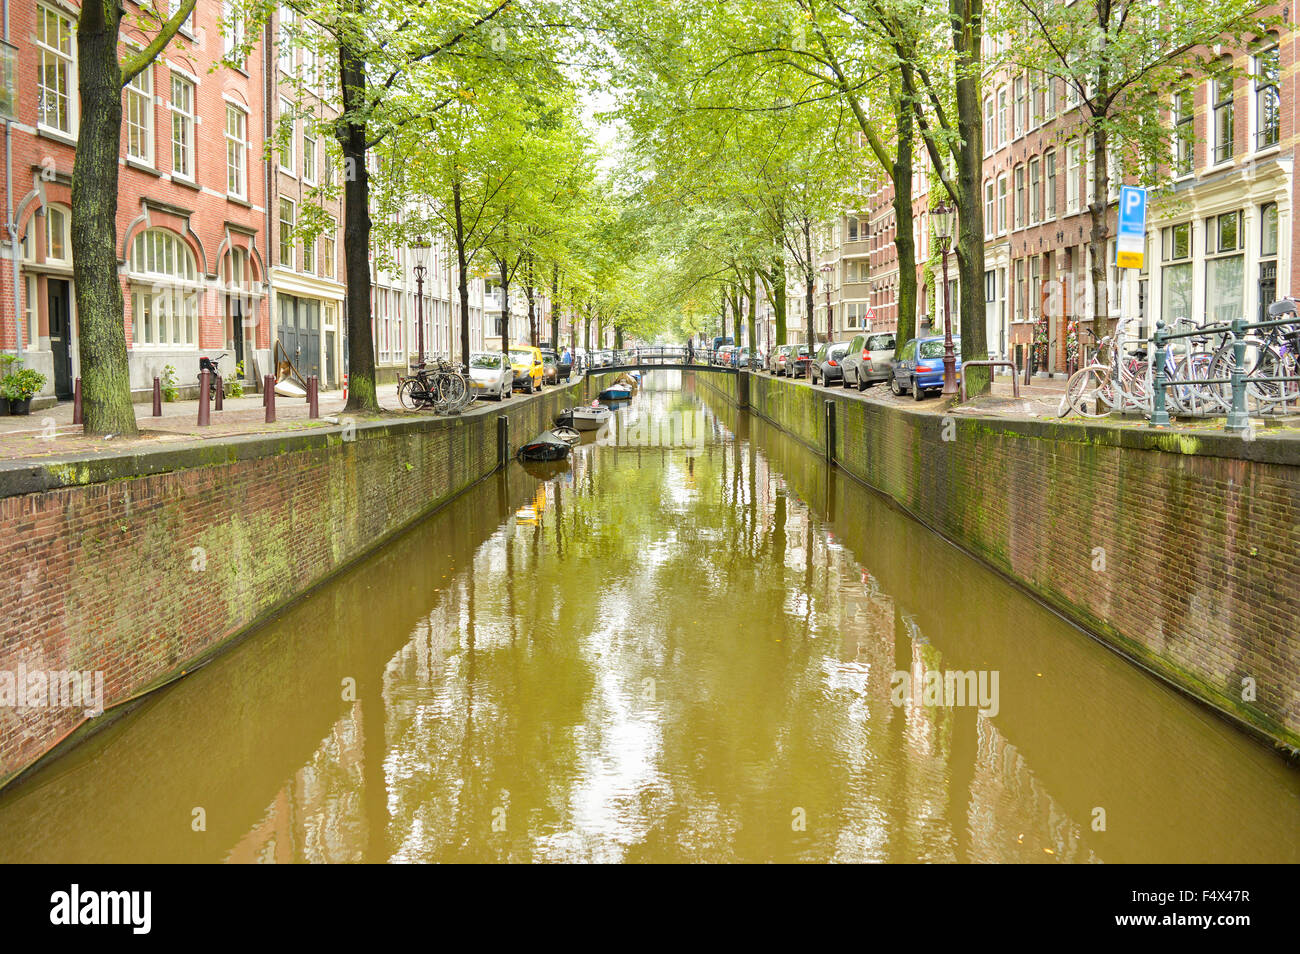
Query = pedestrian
x=690 y=350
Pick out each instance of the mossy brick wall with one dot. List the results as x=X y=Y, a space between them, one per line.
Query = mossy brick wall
x=101 y=563
x=1200 y=535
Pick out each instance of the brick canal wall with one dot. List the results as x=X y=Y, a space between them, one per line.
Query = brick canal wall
x=1200 y=536
x=144 y=564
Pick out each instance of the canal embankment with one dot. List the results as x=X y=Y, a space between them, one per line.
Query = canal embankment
x=142 y=565
x=1179 y=551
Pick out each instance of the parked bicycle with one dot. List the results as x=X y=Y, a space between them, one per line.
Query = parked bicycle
x=213 y=367
x=442 y=389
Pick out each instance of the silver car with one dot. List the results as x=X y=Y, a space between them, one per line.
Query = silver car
x=870 y=358
x=489 y=376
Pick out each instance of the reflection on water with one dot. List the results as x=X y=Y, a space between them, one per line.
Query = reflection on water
x=660 y=653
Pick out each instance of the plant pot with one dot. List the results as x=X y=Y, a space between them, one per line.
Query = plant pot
x=4 y=405
x=23 y=406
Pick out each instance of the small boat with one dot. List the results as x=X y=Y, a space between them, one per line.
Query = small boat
x=569 y=435
x=590 y=418
x=545 y=446
x=616 y=393
x=289 y=389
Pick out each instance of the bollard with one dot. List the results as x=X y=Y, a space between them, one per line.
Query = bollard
x=830 y=431
x=269 y=384
x=1238 y=419
x=221 y=393
x=157 y=397
x=313 y=397
x=265 y=378
x=76 y=402
x=1159 y=416
x=345 y=386
x=204 y=384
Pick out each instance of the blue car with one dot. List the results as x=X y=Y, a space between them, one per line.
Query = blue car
x=918 y=366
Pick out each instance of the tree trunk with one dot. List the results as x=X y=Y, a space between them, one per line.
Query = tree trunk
x=967 y=16
x=504 y=272
x=753 y=312
x=105 y=370
x=351 y=133
x=903 y=240
x=810 y=289
x=723 y=333
x=555 y=305
x=462 y=277
x=1100 y=232
x=778 y=298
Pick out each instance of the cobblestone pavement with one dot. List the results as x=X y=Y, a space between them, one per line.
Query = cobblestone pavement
x=49 y=431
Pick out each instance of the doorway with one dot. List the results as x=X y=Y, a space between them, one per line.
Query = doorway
x=60 y=302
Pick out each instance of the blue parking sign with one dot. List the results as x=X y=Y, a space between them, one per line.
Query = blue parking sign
x=1130 y=244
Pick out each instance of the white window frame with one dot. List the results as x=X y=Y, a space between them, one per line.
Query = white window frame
x=310 y=146
x=67 y=62
x=287 y=137
x=237 y=148
x=286 y=241
x=63 y=215
x=164 y=303
x=186 y=119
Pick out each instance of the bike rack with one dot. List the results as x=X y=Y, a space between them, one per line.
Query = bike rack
x=998 y=363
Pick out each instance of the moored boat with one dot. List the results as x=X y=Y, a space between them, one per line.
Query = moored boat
x=589 y=418
x=545 y=446
x=616 y=393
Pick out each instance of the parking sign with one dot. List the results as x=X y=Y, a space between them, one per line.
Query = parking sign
x=1131 y=242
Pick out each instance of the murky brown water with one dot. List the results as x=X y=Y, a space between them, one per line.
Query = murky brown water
x=662 y=654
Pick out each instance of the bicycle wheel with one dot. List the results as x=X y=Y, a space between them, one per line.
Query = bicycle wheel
x=404 y=396
x=451 y=390
x=1088 y=392
x=1273 y=364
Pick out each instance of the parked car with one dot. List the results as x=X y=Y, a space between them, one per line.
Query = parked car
x=719 y=341
x=526 y=361
x=550 y=367
x=564 y=370
x=722 y=356
x=743 y=357
x=782 y=360
x=490 y=376
x=799 y=361
x=826 y=369
x=870 y=358
x=918 y=366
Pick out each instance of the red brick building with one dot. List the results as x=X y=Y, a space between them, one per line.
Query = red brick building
x=192 y=206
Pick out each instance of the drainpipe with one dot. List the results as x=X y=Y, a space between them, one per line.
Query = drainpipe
x=10 y=224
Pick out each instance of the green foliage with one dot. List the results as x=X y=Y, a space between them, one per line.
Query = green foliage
x=19 y=383
x=169 y=390
x=235 y=386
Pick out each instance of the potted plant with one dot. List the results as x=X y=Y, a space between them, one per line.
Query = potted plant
x=6 y=369
x=20 y=387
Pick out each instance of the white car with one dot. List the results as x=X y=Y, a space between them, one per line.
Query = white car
x=489 y=376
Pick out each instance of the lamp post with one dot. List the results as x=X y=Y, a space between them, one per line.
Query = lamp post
x=826 y=283
x=942 y=216
x=421 y=249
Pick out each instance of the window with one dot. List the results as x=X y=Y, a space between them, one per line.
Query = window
x=1184 y=134
x=1022 y=202
x=54 y=70
x=1019 y=305
x=1225 y=275
x=1002 y=205
x=182 y=110
x=1049 y=189
x=853 y=230
x=1035 y=288
x=138 y=116
x=232 y=32
x=1087 y=160
x=286 y=232
x=309 y=155
x=1035 y=191
x=329 y=250
x=1022 y=106
x=284 y=40
x=989 y=209
x=164 y=291
x=990 y=133
x=1072 y=183
x=1224 y=126
x=1176 y=272
x=30 y=308
x=236 y=151
x=1268 y=231
x=309 y=254
x=1268 y=104
x=286 y=139
x=1004 y=118
x=56 y=234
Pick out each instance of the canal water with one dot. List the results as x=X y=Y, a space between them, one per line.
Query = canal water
x=693 y=642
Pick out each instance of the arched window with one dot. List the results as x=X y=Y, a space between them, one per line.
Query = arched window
x=164 y=291
x=58 y=241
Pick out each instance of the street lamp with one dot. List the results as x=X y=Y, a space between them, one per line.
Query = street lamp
x=826 y=283
x=421 y=249
x=942 y=217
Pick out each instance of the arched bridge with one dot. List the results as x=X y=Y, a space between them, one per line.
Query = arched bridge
x=672 y=359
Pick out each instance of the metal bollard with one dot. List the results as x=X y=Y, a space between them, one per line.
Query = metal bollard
x=268 y=383
x=221 y=393
x=1159 y=416
x=1238 y=419
x=157 y=397
x=313 y=397
x=204 y=411
x=76 y=402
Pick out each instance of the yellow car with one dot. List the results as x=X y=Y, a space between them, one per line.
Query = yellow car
x=526 y=362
